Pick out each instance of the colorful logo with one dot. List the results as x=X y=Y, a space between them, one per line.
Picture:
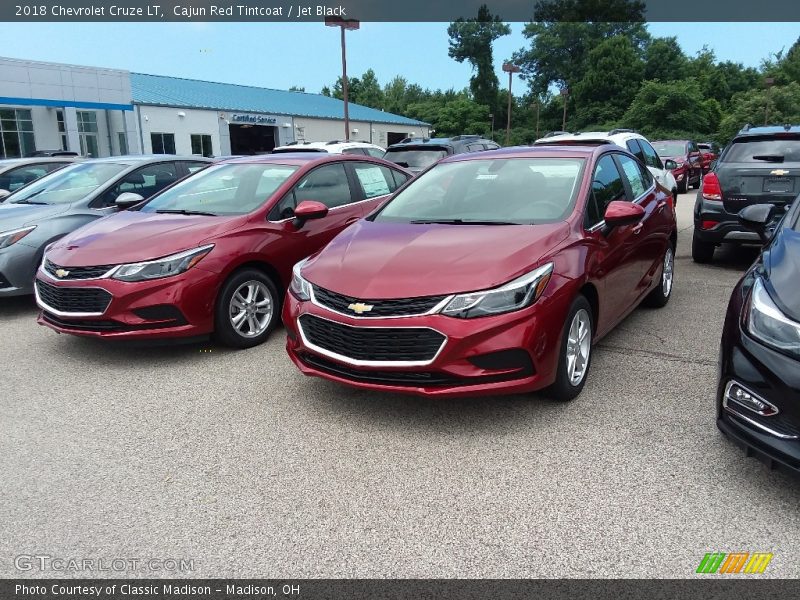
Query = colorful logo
x=735 y=562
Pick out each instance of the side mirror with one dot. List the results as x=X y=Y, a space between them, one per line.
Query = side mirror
x=308 y=209
x=756 y=217
x=670 y=164
x=4 y=194
x=127 y=199
x=619 y=213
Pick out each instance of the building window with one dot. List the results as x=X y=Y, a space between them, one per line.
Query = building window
x=163 y=143
x=87 y=132
x=201 y=144
x=123 y=142
x=16 y=133
x=62 y=130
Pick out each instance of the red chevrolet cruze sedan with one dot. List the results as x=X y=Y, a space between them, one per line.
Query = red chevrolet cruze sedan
x=492 y=272
x=211 y=254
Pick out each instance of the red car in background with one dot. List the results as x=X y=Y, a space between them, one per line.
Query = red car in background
x=709 y=152
x=447 y=290
x=688 y=169
x=212 y=253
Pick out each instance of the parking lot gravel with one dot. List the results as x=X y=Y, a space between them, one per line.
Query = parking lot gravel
x=234 y=460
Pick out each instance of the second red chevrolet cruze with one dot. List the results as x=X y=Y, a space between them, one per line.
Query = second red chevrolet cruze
x=211 y=254
x=492 y=272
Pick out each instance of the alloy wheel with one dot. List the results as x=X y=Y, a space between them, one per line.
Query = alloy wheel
x=579 y=345
x=251 y=309
x=667 y=272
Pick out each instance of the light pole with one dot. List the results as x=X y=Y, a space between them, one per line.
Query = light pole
x=565 y=94
x=344 y=24
x=491 y=116
x=538 y=106
x=769 y=82
x=509 y=68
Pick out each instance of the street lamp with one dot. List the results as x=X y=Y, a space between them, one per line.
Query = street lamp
x=509 y=68
x=768 y=82
x=344 y=24
x=491 y=116
x=538 y=106
x=565 y=93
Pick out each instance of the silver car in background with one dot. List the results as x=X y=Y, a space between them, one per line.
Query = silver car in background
x=16 y=173
x=45 y=210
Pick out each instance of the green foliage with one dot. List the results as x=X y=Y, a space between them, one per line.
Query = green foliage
x=664 y=60
x=677 y=106
x=750 y=107
x=471 y=40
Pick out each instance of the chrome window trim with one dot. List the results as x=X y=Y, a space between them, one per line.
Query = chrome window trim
x=339 y=207
x=368 y=363
x=59 y=313
x=437 y=308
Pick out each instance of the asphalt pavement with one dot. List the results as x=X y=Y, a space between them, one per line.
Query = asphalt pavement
x=237 y=462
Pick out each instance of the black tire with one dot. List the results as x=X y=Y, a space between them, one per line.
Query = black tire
x=702 y=252
x=251 y=333
x=563 y=389
x=683 y=186
x=696 y=184
x=659 y=297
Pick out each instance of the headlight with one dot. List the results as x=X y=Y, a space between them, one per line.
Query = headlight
x=514 y=295
x=299 y=286
x=7 y=238
x=767 y=323
x=162 y=267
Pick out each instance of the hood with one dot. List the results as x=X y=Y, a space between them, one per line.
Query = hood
x=14 y=216
x=782 y=262
x=396 y=260
x=133 y=236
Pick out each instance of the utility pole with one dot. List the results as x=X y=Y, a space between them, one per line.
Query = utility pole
x=491 y=116
x=538 y=106
x=768 y=82
x=509 y=68
x=564 y=94
x=344 y=24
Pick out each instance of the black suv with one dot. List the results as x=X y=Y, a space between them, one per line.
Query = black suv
x=761 y=165
x=417 y=154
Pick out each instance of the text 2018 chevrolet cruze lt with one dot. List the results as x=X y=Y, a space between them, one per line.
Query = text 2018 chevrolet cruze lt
x=492 y=272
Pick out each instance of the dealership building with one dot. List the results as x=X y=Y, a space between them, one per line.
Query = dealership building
x=106 y=112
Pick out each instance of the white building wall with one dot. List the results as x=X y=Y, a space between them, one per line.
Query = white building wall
x=182 y=122
x=323 y=130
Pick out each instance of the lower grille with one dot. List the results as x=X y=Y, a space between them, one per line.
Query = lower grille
x=395 y=307
x=377 y=344
x=73 y=299
x=409 y=378
x=76 y=272
x=82 y=325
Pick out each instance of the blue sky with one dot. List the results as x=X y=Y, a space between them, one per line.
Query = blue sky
x=307 y=54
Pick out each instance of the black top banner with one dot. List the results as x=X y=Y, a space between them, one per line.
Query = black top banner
x=741 y=587
x=283 y=11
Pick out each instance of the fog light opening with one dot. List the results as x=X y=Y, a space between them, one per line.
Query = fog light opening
x=734 y=392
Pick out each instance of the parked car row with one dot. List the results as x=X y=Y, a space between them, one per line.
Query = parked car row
x=491 y=271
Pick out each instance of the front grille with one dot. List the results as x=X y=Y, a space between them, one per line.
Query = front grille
x=372 y=343
x=409 y=378
x=73 y=299
x=395 y=307
x=82 y=324
x=76 y=272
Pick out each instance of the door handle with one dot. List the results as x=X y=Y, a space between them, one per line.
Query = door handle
x=638 y=229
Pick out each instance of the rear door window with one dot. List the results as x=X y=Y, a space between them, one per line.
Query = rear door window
x=374 y=180
x=651 y=158
x=635 y=149
x=633 y=175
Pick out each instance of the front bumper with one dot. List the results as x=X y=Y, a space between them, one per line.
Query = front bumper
x=774 y=378
x=173 y=307
x=502 y=354
x=17 y=269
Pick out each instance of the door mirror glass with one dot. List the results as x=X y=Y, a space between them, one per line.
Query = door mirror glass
x=670 y=164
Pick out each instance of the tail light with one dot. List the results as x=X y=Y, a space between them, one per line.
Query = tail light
x=709 y=224
x=711 y=187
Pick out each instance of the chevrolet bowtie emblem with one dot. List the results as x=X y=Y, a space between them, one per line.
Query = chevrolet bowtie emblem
x=779 y=172
x=61 y=273
x=359 y=307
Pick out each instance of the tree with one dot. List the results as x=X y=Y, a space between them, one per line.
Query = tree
x=664 y=60
x=676 y=108
x=614 y=72
x=563 y=32
x=471 y=40
x=297 y=88
x=370 y=92
x=750 y=107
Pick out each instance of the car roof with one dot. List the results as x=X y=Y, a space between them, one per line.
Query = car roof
x=5 y=162
x=302 y=158
x=440 y=141
x=134 y=159
x=615 y=135
x=331 y=146
x=749 y=130
x=671 y=141
x=542 y=151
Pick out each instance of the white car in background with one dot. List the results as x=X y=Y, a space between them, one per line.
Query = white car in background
x=334 y=147
x=633 y=142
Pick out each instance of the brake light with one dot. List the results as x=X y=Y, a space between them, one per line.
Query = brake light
x=711 y=187
x=709 y=224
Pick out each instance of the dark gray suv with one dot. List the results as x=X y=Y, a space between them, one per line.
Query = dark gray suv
x=417 y=154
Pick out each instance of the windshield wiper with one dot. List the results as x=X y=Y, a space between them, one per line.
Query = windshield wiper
x=186 y=212
x=459 y=222
x=28 y=202
x=777 y=158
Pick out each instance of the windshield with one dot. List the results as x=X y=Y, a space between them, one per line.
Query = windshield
x=69 y=184
x=415 y=159
x=764 y=151
x=670 y=148
x=232 y=189
x=490 y=191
